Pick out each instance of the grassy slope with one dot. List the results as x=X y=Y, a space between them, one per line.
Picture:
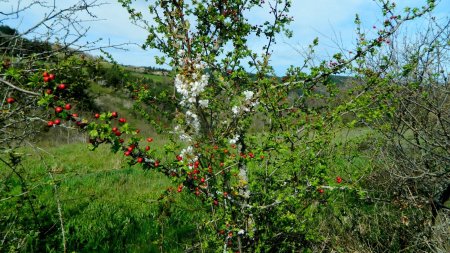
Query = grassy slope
x=107 y=205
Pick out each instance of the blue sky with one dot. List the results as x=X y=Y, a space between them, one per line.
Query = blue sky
x=329 y=20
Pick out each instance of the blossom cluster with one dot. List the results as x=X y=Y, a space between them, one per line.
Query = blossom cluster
x=235 y=139
x=247 y=105
x=190 y=83
x=187 y=154
x=191 y=89
x=182 y=134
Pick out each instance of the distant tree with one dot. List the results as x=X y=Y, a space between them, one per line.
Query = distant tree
x=8 y=30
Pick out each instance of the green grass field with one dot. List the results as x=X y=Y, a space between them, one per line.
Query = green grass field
x=107 y=205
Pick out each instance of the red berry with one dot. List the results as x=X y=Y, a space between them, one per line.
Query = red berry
x=61 y=86
x=74 y=115
x=225 y=194
x=156 y=164
x=130 y=149
x=68 y=106
x=50 y=123
x=321 y=190
x=122 y=120
x=114 y=114
x=114 y=129
x=46 y=79
x=52 y=77
x=45 y=74
x=121 y=140
x=57 y=121
x=118 y=133
x=58 y=109
x=127 y=153
x=147 y=148
x=149 y=139
x=10 y=100
x=48 y=91
x=202 y=180
x=179 y=158
x=97 y=115
x=338 y=180
x=251 y=155
x=140 y=159
x=216 y=202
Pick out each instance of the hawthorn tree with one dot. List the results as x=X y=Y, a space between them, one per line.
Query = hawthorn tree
x=251 y=151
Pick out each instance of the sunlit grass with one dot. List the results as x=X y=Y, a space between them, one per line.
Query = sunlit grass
x=107 y=204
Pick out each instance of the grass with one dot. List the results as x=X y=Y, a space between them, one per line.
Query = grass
x=107 y=205
x=155 y=78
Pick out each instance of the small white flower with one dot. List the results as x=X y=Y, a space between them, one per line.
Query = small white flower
x=204 y=103
x=186 y=151
x=191 y=100
x=248 y=94
x=235 y=139
x=192 y=120
x=185 y=137
x=235 y=110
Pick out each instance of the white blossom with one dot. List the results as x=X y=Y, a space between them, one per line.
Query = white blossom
x=182 y=135
x=192 y=120
x=235 y=139
x=185 y=137
x=190 y=90
x=248 y=94
x=204 y=103
x=188 y=155
x=235 y=110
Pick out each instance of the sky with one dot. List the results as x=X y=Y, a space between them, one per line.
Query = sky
x=332 y=21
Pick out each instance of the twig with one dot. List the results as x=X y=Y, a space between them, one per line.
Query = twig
x=17 y=88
